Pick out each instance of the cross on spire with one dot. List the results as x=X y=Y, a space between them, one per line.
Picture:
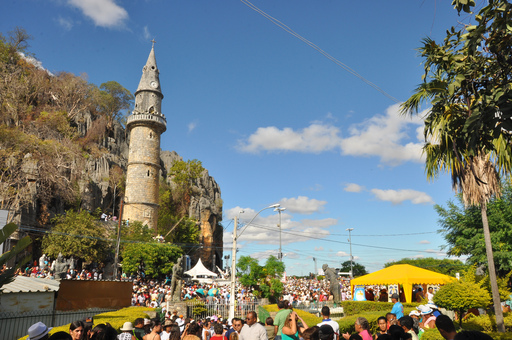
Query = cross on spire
x=153 y=41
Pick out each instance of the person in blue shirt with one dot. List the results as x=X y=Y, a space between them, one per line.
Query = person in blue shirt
x=398 y=308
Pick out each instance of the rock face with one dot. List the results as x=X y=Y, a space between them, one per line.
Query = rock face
x=206 y=208
x=96 y=191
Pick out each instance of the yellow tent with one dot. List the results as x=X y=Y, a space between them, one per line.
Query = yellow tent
x=403 y=274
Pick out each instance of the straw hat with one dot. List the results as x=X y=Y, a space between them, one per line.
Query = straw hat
x=127 y=326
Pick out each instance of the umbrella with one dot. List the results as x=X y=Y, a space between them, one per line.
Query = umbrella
x=200 y=291
x=213 y=292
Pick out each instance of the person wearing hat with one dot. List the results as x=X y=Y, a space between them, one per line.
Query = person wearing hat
x=428 y=318
x=398 y=308
x=167 y=330
x=126 y=332
x=38 y=331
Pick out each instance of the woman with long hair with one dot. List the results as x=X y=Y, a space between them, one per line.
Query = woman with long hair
x=291 y=329
x=76 y=330
x=156 y=329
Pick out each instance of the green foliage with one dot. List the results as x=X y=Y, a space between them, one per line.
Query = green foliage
x=156 y=258
x=76 y=234
x=175 y=227
x=265 y=279
x=444 y=266
x=462 y=230
x=359 y=307
x=309 y=318
x=462 y=295
x=7 y=276
x=183 y=173
x=115 y=101
x=485 y=323
x=136 y=232
x=357 y=268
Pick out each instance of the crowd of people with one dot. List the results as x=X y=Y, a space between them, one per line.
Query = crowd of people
x=287 y=325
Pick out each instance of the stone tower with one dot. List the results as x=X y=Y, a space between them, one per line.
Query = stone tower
x=144 y=126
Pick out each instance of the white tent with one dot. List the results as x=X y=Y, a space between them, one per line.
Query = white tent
x=200 y=271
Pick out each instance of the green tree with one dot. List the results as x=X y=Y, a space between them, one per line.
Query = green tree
x=136 y=232
x=156 y=259
x=462 y=230
x=462 y=295
x=467 y=128
x=444 y=266
x=77 y=234
x=175 y=227
x=265 y=279
x=7 y=275
x=183 y=176
x=115 y=101
x=357 y=268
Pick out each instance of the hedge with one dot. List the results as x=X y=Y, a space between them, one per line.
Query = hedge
x=309 y=318
x=359 y=307
x=116 y=318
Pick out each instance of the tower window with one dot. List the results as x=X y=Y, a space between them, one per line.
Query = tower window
x=151 y=135
x=151 y=109
x=148 y=173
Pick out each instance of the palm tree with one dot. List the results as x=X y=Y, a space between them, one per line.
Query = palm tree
x=475 y=158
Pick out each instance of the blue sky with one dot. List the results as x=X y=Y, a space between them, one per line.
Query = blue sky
x=271 y=118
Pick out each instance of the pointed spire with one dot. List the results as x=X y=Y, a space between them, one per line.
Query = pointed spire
x=150 y=80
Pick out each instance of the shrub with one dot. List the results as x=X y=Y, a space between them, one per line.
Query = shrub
x=359 y=307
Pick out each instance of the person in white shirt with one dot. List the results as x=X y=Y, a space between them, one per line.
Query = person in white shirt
x=326 y=315
x=253 y=330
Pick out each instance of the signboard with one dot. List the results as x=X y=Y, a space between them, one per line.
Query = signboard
x=359 y=294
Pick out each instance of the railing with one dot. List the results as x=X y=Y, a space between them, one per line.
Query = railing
x=201 y=310
x=15 y=325
x=316 y=308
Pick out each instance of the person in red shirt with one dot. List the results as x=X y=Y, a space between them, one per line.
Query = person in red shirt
x=218 y=329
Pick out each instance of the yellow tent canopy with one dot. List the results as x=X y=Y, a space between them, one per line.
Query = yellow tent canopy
x=403 y=274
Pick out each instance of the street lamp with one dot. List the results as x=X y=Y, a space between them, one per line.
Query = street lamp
x=350 y=242
x=233 y=257
x=279 y=210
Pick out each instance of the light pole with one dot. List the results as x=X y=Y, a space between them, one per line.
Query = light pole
x=233 y=263
x=280 y=255
x=350 y=242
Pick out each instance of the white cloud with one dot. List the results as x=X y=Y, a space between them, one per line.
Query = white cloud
x=353 y=187
x=424 y=242
x=399 y=196
x=319 y=248
x=302 y=205
x=104 y=13
x=66 y=23
x=191 y=126
x=147 y=34
x=264 y=230
x=419 y=256
x=315 y=138
x=385 y=136
x=342 y=254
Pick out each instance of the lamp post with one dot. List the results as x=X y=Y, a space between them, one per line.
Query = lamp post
x=350 y=242
x=280 y=255
x=233 y=257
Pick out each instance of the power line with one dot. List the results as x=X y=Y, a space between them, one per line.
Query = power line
x=309 y=43
x=346 y=243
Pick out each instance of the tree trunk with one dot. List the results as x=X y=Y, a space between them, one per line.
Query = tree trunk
x=492 y=271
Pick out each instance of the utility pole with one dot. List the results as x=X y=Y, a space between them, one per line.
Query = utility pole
x=280 y=255
x=233 y=273
x=116 y=260
x=350 y=242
